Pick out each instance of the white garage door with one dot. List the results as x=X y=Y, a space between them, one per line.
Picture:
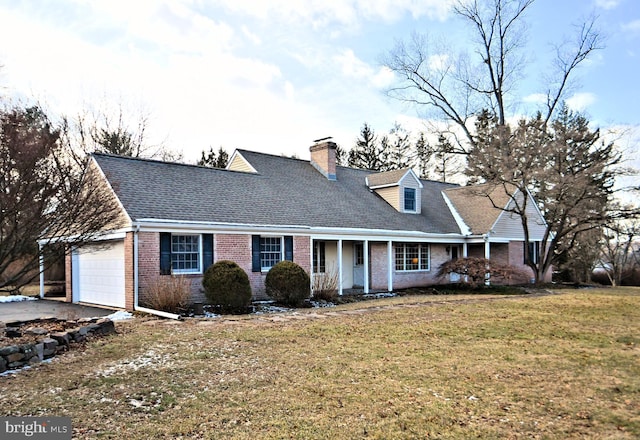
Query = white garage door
x=99 y=274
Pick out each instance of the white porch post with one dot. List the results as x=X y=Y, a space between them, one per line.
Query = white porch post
x=390 y=266
x=312 y=268
x=487 y=255
x=365 y=251
x=41 y=266
x=465 y=250
x=339 y=267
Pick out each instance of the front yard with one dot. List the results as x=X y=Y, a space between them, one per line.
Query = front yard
x=557 y=366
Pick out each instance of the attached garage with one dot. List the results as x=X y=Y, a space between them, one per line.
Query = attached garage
x=98 y=274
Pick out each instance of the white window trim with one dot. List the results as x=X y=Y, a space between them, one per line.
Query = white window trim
x=281 y=237
x=415 y=200
x=420 y=246
x=200 y=257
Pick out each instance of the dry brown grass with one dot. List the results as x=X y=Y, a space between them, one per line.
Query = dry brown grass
x=559 y=366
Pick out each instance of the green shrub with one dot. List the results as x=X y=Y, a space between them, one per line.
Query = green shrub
x=287 y=283
x=226 y=285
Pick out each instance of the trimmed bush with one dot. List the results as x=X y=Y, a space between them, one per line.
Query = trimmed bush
x=287 y=283
x=226 y=285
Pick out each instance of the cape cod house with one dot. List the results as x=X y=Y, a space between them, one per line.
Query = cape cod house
x=374 y=231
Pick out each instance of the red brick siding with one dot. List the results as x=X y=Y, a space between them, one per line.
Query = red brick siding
x=68 y=272
x=129 y=294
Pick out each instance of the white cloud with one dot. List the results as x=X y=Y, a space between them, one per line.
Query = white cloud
x=353 y=67
x=607 y=4
x=535 y=98
x=632 y=27
x=580 y=101
x=323 y=13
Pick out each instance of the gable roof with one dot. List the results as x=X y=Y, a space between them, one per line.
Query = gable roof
x=479 y=206
x=282 y=192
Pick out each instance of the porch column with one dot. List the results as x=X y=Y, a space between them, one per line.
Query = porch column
x=41 y=266
x=390 y=266
x=339 y=267
x=487 y=255
x=465 y=254
x=312 y=268
x=365 y=251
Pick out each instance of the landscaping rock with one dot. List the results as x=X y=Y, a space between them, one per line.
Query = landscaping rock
x=62 y=337
x=5 y=351
x=3 y=365
x=12 y=332
x=36 y=331
x=40 y=350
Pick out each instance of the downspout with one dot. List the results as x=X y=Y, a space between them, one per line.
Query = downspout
x=135 y=266
x=136 y=279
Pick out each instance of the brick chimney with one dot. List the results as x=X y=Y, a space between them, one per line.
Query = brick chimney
x=323 y=157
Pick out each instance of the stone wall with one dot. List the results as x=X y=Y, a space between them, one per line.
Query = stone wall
x=47 y=344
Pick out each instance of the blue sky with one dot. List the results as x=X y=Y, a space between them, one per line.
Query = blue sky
x=274 y=75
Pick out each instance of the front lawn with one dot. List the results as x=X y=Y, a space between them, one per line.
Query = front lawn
x=557 y=366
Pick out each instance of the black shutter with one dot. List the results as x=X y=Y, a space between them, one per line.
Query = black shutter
x=165 y=253
x=288 y=248
x=255 y=254
x=207 y=251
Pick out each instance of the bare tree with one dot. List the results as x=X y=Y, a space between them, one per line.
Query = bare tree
x=112 y=132
x=44 y=194
x=618 y=251
x=460 y=87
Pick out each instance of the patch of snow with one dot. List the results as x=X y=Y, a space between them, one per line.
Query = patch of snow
x=149 y=359
x=380 y=295
x=119 y=316
x=16 y=298
x=26 y=367
x=210 y=315
x=272 y=309
x=322 y=304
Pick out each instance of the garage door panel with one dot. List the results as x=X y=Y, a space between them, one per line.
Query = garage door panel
x=101 y=275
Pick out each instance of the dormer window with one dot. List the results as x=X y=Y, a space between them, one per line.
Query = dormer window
x=399 y=188
x=410 y=199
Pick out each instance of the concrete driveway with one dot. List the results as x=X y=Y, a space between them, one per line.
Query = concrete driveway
x=46 y=308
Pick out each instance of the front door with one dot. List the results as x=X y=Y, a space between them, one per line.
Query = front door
x=358 y=265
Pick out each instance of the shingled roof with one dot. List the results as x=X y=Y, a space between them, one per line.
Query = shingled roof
x=283 y=192
x=479 y=205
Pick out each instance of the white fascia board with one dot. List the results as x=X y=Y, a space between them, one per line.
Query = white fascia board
x=117 y=234
x=464 y=228
x=388 y=185
x=160 y=225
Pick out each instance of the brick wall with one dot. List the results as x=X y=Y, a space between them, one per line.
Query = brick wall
x=68 y=275
x=129 y=294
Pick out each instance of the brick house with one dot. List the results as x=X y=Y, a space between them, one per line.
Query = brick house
x=374 y=231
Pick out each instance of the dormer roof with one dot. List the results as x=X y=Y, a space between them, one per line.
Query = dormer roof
x=391 y=178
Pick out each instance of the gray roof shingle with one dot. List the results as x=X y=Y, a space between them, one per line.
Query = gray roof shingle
x=284 y=192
